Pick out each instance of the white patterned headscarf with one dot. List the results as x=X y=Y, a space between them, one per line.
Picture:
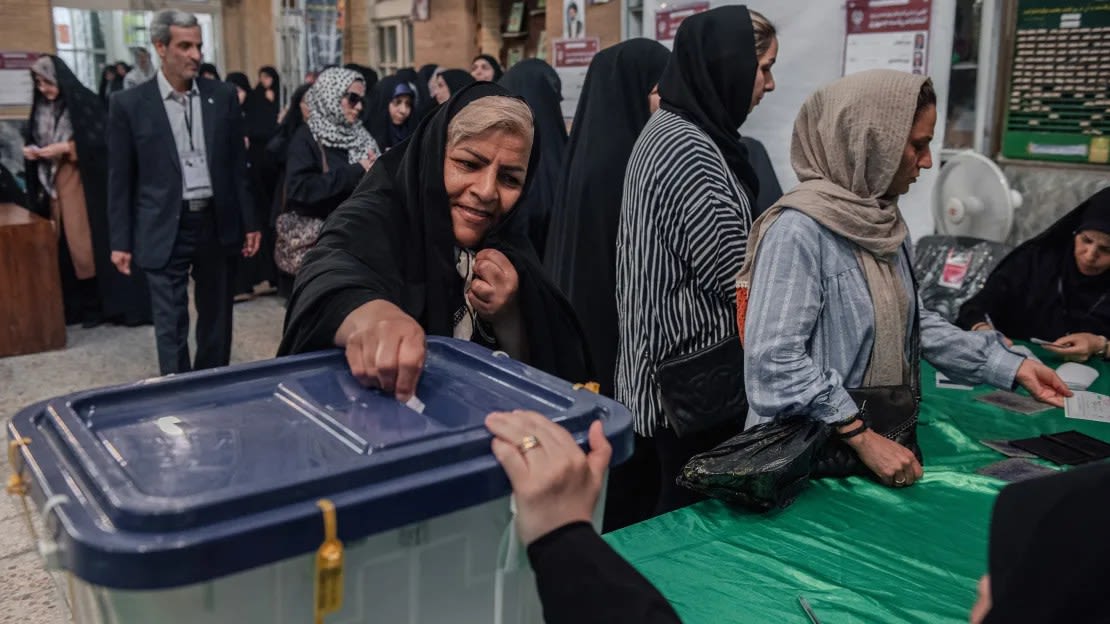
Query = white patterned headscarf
x=326 y=120
x=51 y=123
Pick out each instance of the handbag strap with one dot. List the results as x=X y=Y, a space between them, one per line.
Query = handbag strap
x=323 y=155
x=915 y=336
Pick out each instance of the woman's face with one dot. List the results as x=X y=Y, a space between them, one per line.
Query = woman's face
x=352 y=101
x=916 y=155
x=432 y=86
x=764 y=80
x=481 y=70
x=1092 y=252
x=121 y=70
x=48 y=89
x=266 y=80
x=400 y=108
x=304 y=108
x=653 y=99
x=484 y=176
x=242 y=94
x=442 y=92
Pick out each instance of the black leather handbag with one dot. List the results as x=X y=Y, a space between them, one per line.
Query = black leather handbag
x=705 y=389
x=890 y=411
x=767 y=466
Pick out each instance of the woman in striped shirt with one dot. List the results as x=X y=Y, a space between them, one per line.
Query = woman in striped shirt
x=685 y=215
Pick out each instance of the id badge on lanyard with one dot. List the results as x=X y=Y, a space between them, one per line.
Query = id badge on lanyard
x=194 y=164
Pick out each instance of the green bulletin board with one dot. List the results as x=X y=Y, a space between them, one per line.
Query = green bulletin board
x=1059 y=98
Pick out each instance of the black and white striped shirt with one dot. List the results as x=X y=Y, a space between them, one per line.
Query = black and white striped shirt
x=682 y=237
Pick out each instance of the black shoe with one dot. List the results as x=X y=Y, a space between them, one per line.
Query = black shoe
x=90 y=303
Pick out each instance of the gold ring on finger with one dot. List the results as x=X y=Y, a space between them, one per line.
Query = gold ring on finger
x=528 y=443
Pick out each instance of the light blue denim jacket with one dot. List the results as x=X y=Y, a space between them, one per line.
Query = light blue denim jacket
x=810 y=327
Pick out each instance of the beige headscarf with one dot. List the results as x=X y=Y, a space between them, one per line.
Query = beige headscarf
x=848 y=142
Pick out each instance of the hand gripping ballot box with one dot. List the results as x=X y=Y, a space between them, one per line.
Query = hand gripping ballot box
x=218 y=496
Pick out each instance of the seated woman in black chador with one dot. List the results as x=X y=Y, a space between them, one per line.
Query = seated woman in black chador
x=1054 y=287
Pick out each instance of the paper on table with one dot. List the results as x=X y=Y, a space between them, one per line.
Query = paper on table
x=943 y=381
x=1088 y=406
x=415 y=404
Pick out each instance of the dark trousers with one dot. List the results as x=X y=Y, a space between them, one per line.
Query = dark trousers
x=633 y=490
x=673 y=454
x=197 y=252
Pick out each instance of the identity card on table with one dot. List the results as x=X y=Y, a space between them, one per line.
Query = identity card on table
x=1015 y=469
x=1088 y=406
x=1013 y=402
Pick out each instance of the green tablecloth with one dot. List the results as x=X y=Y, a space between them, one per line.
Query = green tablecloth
x=857 y=551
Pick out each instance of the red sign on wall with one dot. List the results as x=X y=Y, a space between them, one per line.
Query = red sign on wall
x=16 y=86
x=667 y=21
x=891 y=34
x=576 y=52
x=17 y=60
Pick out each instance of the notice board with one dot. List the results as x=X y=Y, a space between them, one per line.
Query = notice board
x=572 y=61
x=1058 y=104
x=887 y=34
x=669 y=18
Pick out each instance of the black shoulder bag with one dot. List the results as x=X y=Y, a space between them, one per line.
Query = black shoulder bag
x=705 y=389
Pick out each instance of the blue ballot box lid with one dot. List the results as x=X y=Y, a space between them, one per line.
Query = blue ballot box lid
x=185 y=478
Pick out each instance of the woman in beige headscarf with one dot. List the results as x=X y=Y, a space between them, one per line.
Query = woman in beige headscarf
x=826 y=297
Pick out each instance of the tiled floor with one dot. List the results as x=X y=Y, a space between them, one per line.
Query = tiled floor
x=93 y=357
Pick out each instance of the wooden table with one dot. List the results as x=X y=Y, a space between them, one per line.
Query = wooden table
x=31 y=314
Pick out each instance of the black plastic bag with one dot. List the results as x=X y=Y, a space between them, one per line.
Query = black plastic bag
x=763 y=468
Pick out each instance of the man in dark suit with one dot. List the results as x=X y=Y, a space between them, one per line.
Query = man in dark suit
x=178 y=201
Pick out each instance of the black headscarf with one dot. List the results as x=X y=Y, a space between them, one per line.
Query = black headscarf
x=369 y=76
x=273 y=74
x=426 y=72
x=497 y=71
x=261 y=112
x=581 y=246
x=408 y=74
x=424 y=101
x=456 y=79
x=208 y=68
x=393 y=240
x=122 y=298
x=293 y=119
x=240 y=80
x=378 y=121
x=1048 y=549
x=539 y=85
x=709 y=81
x=1066 y=301
x=277 y=149
x=110 y=84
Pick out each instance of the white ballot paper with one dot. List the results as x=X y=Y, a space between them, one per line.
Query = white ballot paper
x=1088 y=406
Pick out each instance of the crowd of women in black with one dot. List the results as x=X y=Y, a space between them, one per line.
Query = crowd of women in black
x=640 y=251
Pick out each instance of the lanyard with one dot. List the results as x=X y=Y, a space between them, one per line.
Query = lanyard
x=189 y=119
